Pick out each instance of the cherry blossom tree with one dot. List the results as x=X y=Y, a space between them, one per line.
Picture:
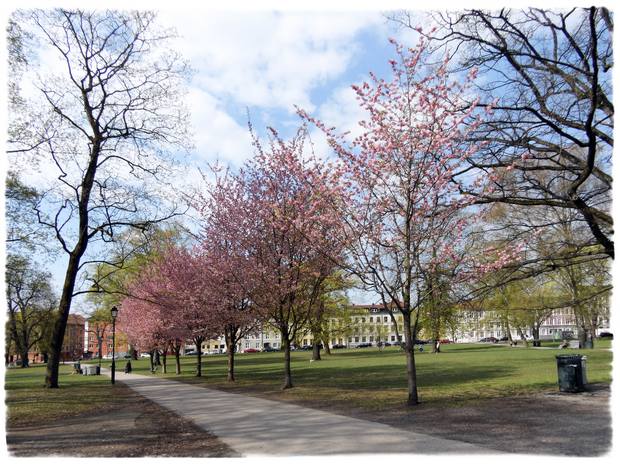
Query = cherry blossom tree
x=277 y=221
x=405 y=217
x=222 y=252
x=175 y=289
x=296 y=233
x=141 y=320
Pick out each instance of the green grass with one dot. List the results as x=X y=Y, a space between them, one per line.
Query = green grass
x=28 y=402
x=366 y=378
x=373 y=379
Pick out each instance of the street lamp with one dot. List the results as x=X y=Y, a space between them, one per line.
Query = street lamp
x=114 y=312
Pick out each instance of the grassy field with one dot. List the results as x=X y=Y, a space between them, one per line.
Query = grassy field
x=365 y=378
x=28 y=402
x=373 y=379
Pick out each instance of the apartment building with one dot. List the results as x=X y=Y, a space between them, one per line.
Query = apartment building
x=121 y=345
x=372 y=323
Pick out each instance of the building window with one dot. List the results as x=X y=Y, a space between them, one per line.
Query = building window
x=393 y=338
x=371 y=319
x=370 y=340
x=357 y=339
x=363 y=338
x=385 y=319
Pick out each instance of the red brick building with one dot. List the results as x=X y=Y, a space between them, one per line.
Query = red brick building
x=105 y=331
x=73 y=343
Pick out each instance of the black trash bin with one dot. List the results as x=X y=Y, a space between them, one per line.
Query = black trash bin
x=571 y=372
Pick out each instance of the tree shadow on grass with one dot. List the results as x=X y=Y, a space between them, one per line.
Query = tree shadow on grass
x=394 y=376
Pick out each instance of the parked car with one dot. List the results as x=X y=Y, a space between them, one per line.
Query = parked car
x=445 y=341
x=489 y=339
x=338 y=346
x=421 y=341
x=250 y=351
x=364 y=345
x=387 y=344
x=191 y=352
x=606 y=334
x=270 y=349
x=503 y=339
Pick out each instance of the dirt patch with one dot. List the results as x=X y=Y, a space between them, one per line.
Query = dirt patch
x=548 y=423
x=136 y=427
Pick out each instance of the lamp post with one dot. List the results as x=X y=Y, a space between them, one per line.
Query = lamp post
x=114 y=312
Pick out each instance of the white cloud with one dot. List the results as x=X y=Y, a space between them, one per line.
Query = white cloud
x=267 y=59
x=343 y=111
x=216 y=134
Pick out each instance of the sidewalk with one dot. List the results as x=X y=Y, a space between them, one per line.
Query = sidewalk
x=260 y=427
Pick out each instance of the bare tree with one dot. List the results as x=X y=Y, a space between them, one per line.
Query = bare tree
x=548 y=76
x=108 y=111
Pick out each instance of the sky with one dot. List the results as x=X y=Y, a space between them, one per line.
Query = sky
x=264 y=61
x=263 y=64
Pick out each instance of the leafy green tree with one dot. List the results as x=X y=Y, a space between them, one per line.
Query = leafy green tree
x=31 y=306
x=99 y=325
x=331 y=301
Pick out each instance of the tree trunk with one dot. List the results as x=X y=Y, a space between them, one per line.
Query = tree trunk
x=24 y=357
x=536 y=335
x=286 y=343
x=582 y=334
x=73 y=267
x=177 y=359
x=230 y=350
x=231 y=363
x=328 y=351
x=199 y=363
x=60 y=324
x=316 y=350
x=152 y=360
x=198 y=341
x=508 y=333
x=156 y=358
x=164 y=367
x=412 y=383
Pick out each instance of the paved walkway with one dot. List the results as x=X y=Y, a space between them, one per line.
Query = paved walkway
x=260 y=427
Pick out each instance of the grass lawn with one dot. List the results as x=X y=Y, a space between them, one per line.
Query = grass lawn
x=28 y=402
x=373 y=379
